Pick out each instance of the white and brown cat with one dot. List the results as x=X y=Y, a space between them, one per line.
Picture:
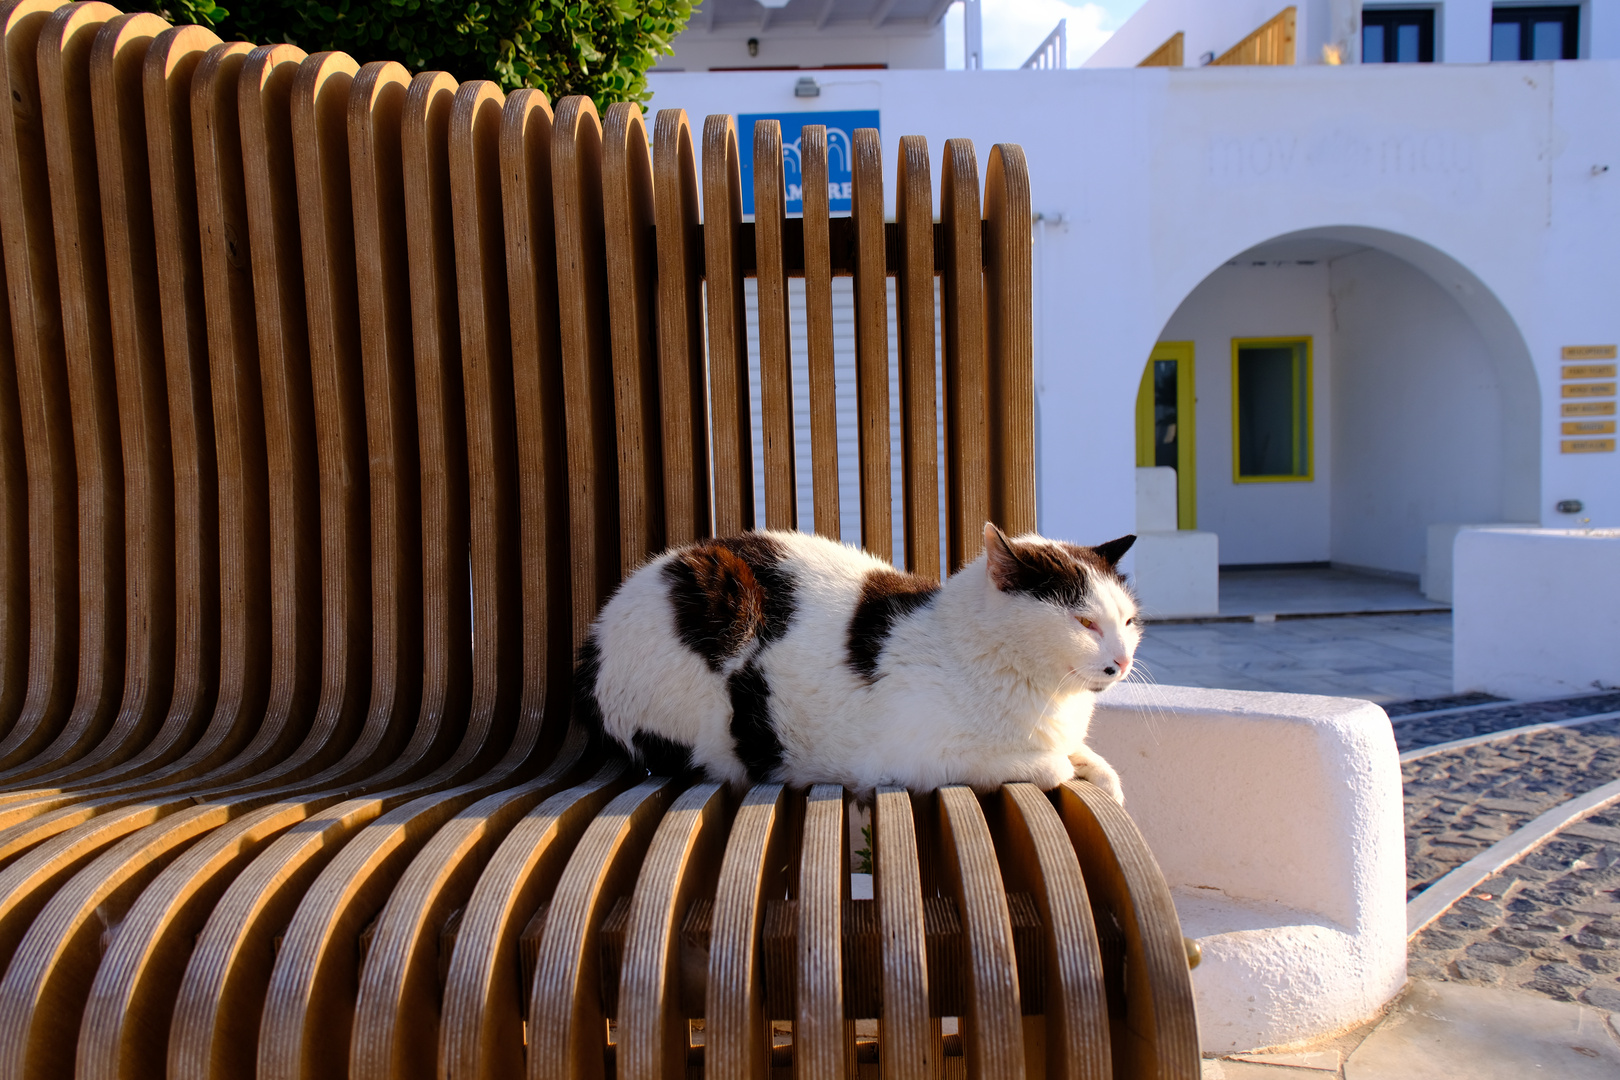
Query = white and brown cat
x=781 y=656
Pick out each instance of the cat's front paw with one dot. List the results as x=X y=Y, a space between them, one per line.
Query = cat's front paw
x=1102 y=774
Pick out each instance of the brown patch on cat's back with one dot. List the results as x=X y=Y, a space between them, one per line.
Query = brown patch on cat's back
x=886 y=597
x=718 y=601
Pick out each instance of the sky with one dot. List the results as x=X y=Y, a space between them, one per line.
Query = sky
x=1012 y=28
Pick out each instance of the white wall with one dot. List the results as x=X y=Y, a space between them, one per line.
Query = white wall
x=1488 y=178
x=796 y=46
x=1259 y=522
x=1418 y=420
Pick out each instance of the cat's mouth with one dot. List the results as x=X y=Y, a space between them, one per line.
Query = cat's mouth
x=1094 y=683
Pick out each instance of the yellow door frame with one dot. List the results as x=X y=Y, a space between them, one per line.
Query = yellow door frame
x=1181 y=353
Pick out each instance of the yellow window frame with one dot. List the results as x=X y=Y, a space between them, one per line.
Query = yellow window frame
x=1304 y=408
x=1181 y=353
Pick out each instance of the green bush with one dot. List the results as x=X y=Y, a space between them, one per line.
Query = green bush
x=602 y=48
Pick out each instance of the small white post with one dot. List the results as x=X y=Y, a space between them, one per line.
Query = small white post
x=972 y=35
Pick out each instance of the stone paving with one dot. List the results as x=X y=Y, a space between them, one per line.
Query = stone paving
x=1460 y=802
x=1383 y=658
x=1549 y=923
x=1431 y=730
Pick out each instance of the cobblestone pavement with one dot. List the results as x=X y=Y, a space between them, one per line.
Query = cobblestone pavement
x=1549 y=923
x=1428 y=731
x=1460 y=802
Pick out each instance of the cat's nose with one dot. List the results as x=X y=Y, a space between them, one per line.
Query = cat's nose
x=1110 y=670
x=1121 y=663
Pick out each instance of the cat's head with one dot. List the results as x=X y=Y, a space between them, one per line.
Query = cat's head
x=1069 y=604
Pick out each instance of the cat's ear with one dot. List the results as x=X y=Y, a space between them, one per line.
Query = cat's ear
x=1115 y=550
x=1001 y=562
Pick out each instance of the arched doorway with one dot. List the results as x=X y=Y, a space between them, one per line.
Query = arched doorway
x=1353 y=387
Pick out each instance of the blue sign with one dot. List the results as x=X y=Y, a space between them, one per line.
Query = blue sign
x=840 y=153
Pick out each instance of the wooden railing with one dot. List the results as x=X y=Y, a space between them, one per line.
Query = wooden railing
x=333 y=401
x=1271 y=44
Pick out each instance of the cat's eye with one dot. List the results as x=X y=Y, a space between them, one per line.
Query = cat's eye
x=1087 y=623
x=1131 y=621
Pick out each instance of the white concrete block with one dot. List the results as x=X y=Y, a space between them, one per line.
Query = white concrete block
x=1276 y=819
x=1177 y=574
x=1536 y=612
x=1156 y=499
x=1435 y=580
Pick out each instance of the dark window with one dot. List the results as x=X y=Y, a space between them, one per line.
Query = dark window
x=1397 y=36
x=1272 y=410
x=1166 y=445
x=1535 y=33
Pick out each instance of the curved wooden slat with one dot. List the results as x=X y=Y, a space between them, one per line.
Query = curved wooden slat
x=733 y=457
x=133 y=999
x=373 y=115
x=1036 y=857
x=127 y=1016
x=486 y=355
x=265 y=91
x=49 y=977
x=1158 y=1033
x=967 y=490
x=737 y=1043
x=823 y=1041
x=909 y=1037
x=567 y=1033
x=681 y=864
x=441 y=416
x=871 y=344
x=13 y=525
x=531 y=275
x=320 y=96
x=992 y=1032
x=310 y=1001
x=481 y=1036
x=818 y=325
x=29 y=240
x=627 y=206
x=919 y=432
x=118 y=113
x=681 y=380
x=396 y=1018
x=775 y=365
x=1009 y=296
x=576 y=177
x=63 y=53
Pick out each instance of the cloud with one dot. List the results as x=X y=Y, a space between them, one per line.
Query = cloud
x=1013 y=28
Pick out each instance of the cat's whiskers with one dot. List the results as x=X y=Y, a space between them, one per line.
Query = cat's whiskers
x=1141 y=675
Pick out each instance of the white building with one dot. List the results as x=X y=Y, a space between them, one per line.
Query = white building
x=1379 y=285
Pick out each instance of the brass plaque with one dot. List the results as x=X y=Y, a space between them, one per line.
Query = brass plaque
x=1589 y=371
x=1588 y=427
x=1587 y=408
x=1589 y=389
x=1587 y=446
x=1590 y=352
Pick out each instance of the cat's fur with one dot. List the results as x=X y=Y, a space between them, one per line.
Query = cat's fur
x=780 y=656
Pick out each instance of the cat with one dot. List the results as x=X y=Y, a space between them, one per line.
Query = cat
x=782 y=656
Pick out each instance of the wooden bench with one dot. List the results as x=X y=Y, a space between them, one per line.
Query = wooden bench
x=294 y=350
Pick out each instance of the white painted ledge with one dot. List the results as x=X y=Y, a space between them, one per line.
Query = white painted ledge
x=1276 y=819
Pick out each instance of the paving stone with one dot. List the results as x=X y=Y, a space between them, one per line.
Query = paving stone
x=1476 y=971
x=1604 y=997
x=1441 y=1031
x=1524 y=939
x=1602 y=963
x=1492 y=952
x=1563 y=974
